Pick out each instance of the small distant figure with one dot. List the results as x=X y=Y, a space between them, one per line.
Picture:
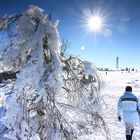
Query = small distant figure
x=106 y=73
x=128 y=111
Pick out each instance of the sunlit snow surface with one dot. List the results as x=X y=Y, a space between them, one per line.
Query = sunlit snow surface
x=113 y=88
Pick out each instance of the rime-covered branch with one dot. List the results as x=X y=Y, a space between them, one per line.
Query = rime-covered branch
x=53 y=97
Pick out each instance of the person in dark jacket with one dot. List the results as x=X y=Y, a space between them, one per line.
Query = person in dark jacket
x=128 y=111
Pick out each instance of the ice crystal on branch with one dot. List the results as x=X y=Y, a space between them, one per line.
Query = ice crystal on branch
x=53 y=97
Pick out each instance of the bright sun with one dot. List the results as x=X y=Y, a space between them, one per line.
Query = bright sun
x=95 y=23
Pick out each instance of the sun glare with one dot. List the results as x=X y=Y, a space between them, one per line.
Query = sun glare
x=94 y=23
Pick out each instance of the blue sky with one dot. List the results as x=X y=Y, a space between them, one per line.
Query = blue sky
x=119 y=38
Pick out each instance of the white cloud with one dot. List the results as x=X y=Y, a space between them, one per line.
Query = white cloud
x=82 y=48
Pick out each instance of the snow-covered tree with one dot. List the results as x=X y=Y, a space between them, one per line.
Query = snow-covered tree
x=53 y=97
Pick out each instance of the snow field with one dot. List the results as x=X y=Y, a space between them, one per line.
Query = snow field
x=114 y=86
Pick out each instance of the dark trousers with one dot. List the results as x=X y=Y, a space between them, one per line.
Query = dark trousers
x=129 y=137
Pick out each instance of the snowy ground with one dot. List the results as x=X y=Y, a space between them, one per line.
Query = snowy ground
x=114 y=84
